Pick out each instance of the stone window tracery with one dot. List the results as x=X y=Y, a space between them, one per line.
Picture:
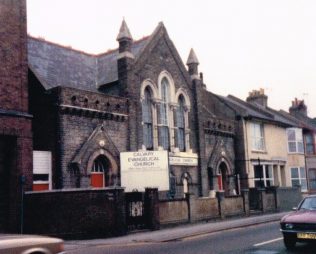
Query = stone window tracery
x=165 y=115
x=147 y=120
x=180 y=123
x=163 y=123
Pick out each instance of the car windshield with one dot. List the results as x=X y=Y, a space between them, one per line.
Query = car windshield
x=309 y=204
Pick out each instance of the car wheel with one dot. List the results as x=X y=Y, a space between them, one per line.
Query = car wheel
x=289 y=242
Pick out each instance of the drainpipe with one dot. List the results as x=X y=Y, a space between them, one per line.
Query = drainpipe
x=22 y=182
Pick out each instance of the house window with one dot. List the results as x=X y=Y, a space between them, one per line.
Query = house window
x=309 y=144
x=263 y=176
x=147 y=120
x=312 y=178
x=298 y=177
x=295 y=140
x=163 y=128
x=180 y=121
x=42 y=170
x=257 y=137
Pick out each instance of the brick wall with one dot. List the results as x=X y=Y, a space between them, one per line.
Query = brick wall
x=233 y=206
x=284 y=202
x=175 y=211
x=15 y=122
x=75 y=213
x=13 y=68
x=80 y=113
x=204 y=208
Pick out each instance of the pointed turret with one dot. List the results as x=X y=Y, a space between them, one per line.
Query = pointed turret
x=125 y=39
x=193 y=63
x=125 y=58
x=124 y=32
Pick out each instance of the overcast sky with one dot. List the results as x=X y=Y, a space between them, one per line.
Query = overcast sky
x=241 y=44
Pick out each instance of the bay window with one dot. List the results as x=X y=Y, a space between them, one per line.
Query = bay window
x=295 y=140
x=298 y=177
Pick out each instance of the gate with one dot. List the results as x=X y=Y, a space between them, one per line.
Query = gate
x=255 y=199
x=135 y=211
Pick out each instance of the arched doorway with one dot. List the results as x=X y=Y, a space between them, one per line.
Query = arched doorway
x=223 y=183
x=101 y=172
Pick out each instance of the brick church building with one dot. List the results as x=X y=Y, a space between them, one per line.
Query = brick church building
x=88 y=109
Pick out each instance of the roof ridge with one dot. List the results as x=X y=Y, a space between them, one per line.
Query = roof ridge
x=110 y=51
x=252 y=106
x=60 y=45
x=150 y=37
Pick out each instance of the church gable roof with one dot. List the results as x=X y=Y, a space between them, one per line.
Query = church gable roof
x=160 y=33
x=56 y=65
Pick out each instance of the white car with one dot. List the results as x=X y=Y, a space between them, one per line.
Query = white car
x=30 y=244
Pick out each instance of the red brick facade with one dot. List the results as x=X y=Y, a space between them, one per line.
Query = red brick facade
x=15 y=122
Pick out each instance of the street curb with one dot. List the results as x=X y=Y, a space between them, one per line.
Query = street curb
x=178 y=233
x=220 y=229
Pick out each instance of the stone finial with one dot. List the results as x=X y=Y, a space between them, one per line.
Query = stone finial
x=193 y=63
x=192 y=59
x=125 y=41
x=124 y=32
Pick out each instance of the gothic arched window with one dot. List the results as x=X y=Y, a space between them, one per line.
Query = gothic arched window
x=163 y=129
x=147 y=120
x=180 y=124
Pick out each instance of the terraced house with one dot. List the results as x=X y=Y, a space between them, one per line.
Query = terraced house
x=273 y=144
x=298 y=113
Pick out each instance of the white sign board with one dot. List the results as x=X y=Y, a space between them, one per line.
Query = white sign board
x=144 y=169
x=183 y=161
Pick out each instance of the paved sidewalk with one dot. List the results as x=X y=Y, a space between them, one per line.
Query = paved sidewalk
x=183 y=231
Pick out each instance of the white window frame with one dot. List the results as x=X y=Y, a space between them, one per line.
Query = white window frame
x=299 y=178
x=311 y=145
x=264 y=178
x=42 y=164
x=164 y=114
x=255 y=140
x=147 y=83
x=297 y=141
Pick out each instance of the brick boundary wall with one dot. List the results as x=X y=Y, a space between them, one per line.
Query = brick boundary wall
x=288 y=197
x=75 y=214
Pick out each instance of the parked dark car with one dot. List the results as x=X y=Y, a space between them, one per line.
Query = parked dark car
x=300 y=225
x=30 y=244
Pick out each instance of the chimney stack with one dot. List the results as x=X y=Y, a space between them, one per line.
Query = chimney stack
x=298 y=108
x=258 y=97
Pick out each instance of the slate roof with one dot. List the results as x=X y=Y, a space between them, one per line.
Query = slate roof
x=303 y=122
x=55 y=65
x=247 y=109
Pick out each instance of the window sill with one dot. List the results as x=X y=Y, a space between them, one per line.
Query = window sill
x=259 y=151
